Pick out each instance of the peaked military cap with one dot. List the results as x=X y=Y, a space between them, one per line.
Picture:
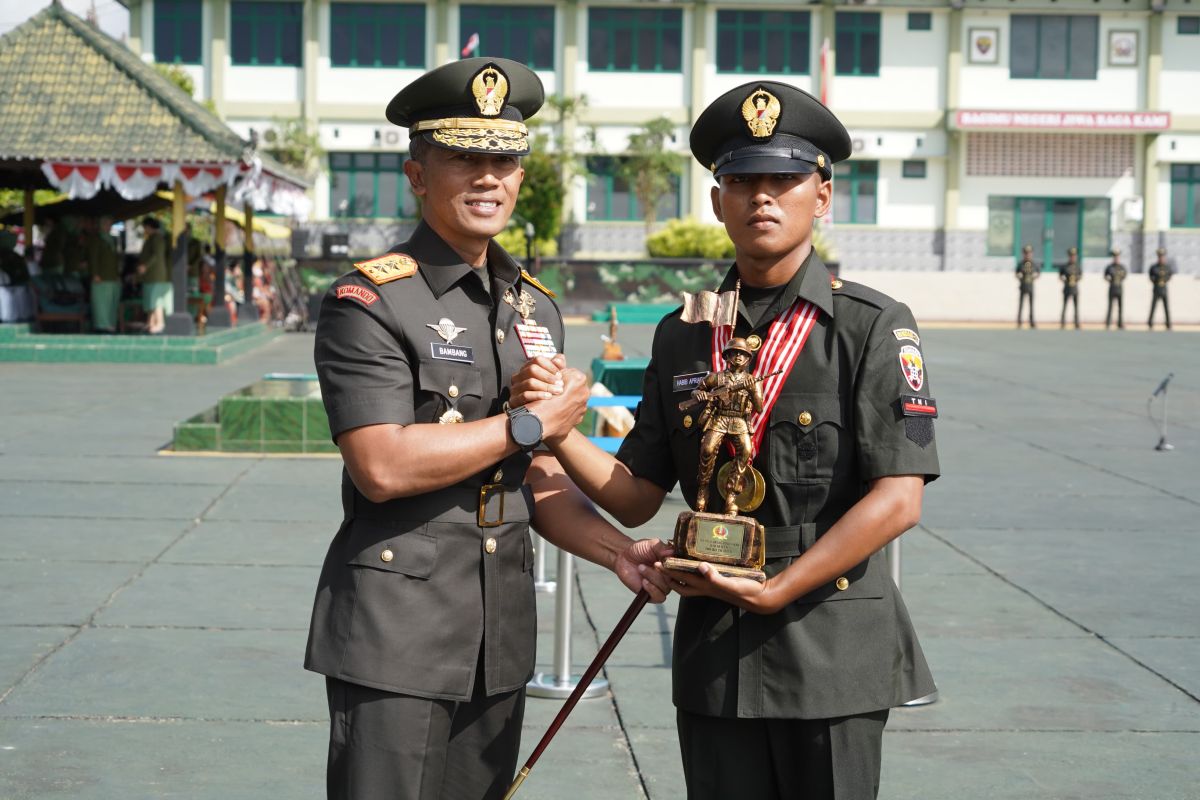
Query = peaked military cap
x=767 y=126
x=477 y=105
x=1162 y=251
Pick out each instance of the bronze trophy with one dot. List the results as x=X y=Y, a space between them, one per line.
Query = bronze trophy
x=734 y=544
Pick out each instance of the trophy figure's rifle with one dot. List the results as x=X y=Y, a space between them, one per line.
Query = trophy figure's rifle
x=724 y=391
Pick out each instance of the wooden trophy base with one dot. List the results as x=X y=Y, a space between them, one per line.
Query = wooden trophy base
x=734 y=546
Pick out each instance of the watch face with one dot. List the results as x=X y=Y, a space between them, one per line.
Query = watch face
x=526 y=430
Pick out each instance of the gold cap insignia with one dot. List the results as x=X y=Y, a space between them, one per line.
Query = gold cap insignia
x=761 y=112
x=530 y=279
x=821 y=160
x=490 y=88
x=391 y=267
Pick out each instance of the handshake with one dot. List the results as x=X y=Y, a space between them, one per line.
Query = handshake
x=558 y=394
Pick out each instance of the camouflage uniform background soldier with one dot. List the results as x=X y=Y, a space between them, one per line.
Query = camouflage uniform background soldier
x=1115 y=274
x=1069 y=274
x=1027 y=273
x=1160 y=272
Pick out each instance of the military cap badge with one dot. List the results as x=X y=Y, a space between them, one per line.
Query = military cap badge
x=490 y=89
x=761 y=112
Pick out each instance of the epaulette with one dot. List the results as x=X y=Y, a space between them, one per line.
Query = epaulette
x=532 y=280
x=387 y=268
x=862 y=293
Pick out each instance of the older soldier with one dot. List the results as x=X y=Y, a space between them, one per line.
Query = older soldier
x=1115 y=274
x=783 y=688
x=1160 y=273
x=1069 y=274
x=1027 y=273
x=424 y=615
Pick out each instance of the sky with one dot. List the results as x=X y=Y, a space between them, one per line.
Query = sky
x=113 y=17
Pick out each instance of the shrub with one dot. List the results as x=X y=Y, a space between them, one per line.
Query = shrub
x=687 y=238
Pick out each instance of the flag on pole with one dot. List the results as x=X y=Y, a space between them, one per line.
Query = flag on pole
x=825 y=76
x=715 y=309
x=472 y=45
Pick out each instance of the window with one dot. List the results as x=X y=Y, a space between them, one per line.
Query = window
x=266 y=33
x=635 y=40
x=1185 y=195
x=369 y=185
x=763 y=41
x=610 y=197
x=920 y=21
x=854 y=190
x=1002 y=217
x=522 y=33
x=913 y=169
x=1188 y=26
x=377 y=35
x=1053 y=46
x=177 y=31
x=857 y=43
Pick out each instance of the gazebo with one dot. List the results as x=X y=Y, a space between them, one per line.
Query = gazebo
x=81 y=113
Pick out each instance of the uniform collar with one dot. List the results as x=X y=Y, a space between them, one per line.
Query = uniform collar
x=442 y=268
x=811 y=281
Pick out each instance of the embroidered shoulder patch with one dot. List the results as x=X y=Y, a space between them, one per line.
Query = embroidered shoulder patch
x=907 y=333
x=387 y=268
x=359 y=293
x=530 y=279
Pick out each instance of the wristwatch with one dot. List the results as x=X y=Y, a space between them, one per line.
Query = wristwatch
x=525 y=427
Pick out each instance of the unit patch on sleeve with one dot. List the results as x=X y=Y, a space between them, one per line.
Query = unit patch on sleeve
x=902 y=334
x=912 y=405
x=359 y=293
x=391 y=267
x=912 y=366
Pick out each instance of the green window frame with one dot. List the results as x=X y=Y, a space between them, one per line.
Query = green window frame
x=1054 y=46
x=383 y=35
x=1185 y=195
x=369 y=186
x=266 y=33
x=177 y=31
x=920 y=21
x=755 y=42
x=857 y=40
x=522 y=33
x=1187 y=26
x=856 y=192
x=610 y=198
x=635 y=40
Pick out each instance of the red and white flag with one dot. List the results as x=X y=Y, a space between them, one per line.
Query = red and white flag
x=826 y=77
x=472 y=45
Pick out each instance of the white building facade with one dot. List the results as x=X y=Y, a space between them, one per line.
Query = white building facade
x=978 y=126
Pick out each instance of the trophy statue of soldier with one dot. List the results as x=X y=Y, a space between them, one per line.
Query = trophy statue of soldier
x=733 y=544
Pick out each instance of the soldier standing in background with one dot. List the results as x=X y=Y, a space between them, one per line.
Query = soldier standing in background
x=158 y=295
x=1160 y=273
x=1070 y=275
x=1027 y=273
x=101 y=257
x=1115 y=274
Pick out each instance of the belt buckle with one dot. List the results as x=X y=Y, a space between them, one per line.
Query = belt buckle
x=485 y=492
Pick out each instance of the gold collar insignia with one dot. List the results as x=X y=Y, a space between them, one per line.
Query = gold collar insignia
x=530 y=279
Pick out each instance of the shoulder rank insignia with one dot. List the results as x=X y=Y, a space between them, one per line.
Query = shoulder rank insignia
x=391 y=267
x=530 y=279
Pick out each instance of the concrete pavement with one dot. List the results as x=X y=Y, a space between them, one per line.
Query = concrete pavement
x=155 y=607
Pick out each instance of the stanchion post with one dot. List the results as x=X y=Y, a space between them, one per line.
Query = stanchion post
x=561 y=683
x=893 y=556
x=540 y=584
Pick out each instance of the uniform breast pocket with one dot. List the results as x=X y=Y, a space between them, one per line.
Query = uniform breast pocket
x=807 y=438
x=405 y=548
x=447 y=387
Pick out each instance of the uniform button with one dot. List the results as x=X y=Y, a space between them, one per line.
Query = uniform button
x=385 y=556
x=500 y=336
x=842 y=584
x=687 y=421
x=490 y=545
x=453 y=391
x=499 y=476
x=805 y=418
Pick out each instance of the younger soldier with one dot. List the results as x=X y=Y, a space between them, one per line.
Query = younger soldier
x=782 y=688
x=1160 y=273
x=1115 y=274
x=1027 y=273
x=1070 y=275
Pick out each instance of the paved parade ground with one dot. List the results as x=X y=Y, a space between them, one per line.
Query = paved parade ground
x=155 y=607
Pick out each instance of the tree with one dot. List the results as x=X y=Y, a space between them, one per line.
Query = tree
x=650 y=165
x=291 y=143
x=180 y=77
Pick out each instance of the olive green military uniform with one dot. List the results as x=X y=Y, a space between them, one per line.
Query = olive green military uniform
x=1027 y=273
x=52 y=249
x=1069 y=274
x=1159 y=275
x=101 y=257
x=424 y=619
x=157 y=290
x=1115 y=273
x=841 y=656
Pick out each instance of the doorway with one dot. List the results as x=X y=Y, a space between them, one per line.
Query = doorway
x=1052 y=225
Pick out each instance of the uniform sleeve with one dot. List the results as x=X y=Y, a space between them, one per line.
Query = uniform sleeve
x=892 y=402
x=646 y=449
x=365 y=375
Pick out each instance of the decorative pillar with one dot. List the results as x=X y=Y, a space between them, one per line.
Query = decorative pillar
x=1143 y=245
x=179 y=321
x=247 y=312
x=218 y=312
x=27 y=223
x=701 y=179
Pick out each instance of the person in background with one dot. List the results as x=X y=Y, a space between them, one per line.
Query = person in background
x=1069 y=274
x=1160 y=272
x=158 y=295
x=1115 y=274
x=105 y=274
x=1027 y=273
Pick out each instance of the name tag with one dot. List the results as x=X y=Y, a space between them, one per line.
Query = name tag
x=452 y=352
x=686 y=383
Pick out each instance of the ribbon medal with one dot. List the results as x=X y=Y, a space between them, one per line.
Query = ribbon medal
x=535 y=339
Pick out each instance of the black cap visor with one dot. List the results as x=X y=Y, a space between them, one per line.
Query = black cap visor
x=784 y=154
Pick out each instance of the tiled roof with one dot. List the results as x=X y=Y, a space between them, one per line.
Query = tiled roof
x=69 y=91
